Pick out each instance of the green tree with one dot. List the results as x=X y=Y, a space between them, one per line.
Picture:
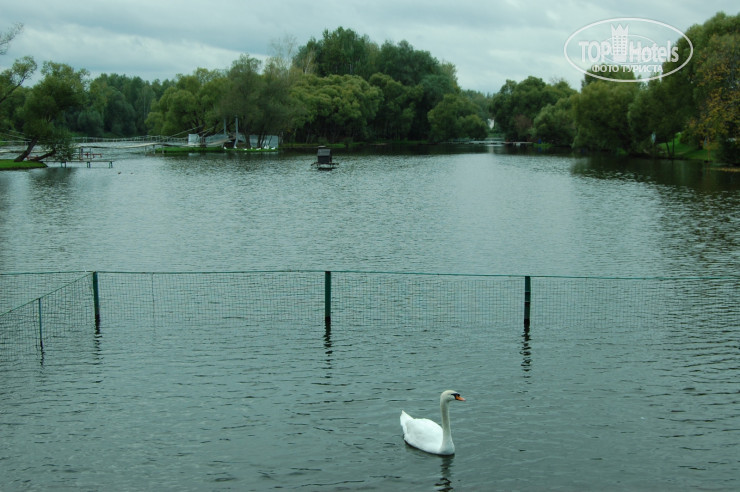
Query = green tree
x=335 y=107
x=135 y=101
x=90 y=122
x=456 y=117
x=344 y=52
x=12 y=79
x=600 y=113
x=242 y=93
x=434 y=87
x=698 y=97
x=276 y=104
x=419 y=69
x=62 y=89
x=397 y=109
x=718 y=94
x=108 y=103
x=305 y=60
x=339 y=52
x=554 y=123
x=481 y=101
x=405 y=64
x=191 y=105
x=653 y=113
x=516 y=105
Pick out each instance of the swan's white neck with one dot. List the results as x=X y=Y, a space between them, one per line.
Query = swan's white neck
x=447 y=446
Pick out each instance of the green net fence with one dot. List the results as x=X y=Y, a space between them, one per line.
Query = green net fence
x=56 y=319
x=45 y=313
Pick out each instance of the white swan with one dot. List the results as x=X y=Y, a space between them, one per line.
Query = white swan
x=426 y=434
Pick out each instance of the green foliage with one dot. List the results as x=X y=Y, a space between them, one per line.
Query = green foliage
x=116 y=105
x=434 y=88
x=456 y=117
x=90 y=122
x=62 y=89
x=405 y=64
x=600 y=114
x=338 y=106
x=191 y=105
x=344 y=52
x=62 y=145
x=12 y=78
x=339 y=52
x=701 y=100
x=481 y=101
x=276 y=105
x=421 y=81
x=517 y=104
x=718 y=97
x=397 y=109
x=653 y=113
x=344 y=87
x=242 y=90
x=341 y=87
x=702 y=97
x=554 y=124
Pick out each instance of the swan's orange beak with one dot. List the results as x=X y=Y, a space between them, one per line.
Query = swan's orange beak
x=458 y=397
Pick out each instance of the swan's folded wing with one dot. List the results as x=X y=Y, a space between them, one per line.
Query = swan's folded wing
x=424 y=434
x=404 y=419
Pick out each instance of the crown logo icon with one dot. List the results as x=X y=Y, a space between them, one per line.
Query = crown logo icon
x=619 y=43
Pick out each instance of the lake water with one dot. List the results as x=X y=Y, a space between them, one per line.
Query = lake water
x=183 y=396
x=477 y=212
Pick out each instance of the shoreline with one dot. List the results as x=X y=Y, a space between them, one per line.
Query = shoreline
x=11 y=165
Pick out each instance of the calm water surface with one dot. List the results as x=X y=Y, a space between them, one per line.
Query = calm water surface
x=607 y=400
x=474 y=213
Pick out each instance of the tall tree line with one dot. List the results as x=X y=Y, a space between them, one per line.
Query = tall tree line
x=343 y=86
x=701 y=102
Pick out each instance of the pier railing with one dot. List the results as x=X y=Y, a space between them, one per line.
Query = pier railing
x=43 y=312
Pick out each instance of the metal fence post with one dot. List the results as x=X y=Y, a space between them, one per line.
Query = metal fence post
x=96 y=301
x=41 y=331
x=327 y=298
x=527 y=301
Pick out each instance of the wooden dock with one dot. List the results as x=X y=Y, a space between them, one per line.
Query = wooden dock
x=89 y=162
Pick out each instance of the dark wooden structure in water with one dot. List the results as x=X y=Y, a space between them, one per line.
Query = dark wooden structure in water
x=324 y=160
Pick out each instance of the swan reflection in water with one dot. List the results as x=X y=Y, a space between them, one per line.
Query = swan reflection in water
x=444 y=484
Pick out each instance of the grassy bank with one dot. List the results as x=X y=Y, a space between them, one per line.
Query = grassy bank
x=683 y=150
x=9 y=165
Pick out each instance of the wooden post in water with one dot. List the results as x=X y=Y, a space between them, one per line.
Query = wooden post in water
x=327 y=298
x=527 y=301
x=96 y=301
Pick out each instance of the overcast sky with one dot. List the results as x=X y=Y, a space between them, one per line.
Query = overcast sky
x=487 y=41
